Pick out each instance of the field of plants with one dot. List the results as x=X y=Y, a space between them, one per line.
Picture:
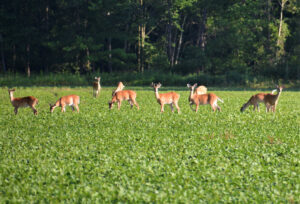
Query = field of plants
x=102 y=155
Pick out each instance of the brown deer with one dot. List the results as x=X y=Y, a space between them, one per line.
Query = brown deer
x=96 y=87
x=171 y=98
x=22 y=102
x=71 y=100
x=203 y=99
x=119 y=88
x=269 y=99
x=125 y=95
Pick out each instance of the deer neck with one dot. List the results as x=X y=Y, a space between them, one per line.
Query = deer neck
x=277 y=95
x=191 y=94
x=11 y=96
x=156 y=93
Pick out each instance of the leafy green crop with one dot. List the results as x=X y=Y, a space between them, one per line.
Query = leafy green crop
x=102 y=155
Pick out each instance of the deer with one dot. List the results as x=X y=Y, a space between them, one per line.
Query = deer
x=269 y=99
x=171 y=98
x=23 y=102
x=200 y=90
x=203 y=99
x=119 y=88
x=71 y=100
x=124 y=95
x=96 y=87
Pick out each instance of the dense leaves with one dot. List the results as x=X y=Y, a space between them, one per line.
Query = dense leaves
x=247 y=37
x=145 y=156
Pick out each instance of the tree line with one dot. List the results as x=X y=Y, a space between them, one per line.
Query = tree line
x=178 y=36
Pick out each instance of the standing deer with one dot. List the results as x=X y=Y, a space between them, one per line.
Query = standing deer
x=203 y=99
x=125 y=95
x=71 y=100
x=171 y=98
x=22 y=102
x=119 y=88
x=269 y=99
x=96 y=87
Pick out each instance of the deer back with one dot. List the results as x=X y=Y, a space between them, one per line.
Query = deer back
x=125 y=95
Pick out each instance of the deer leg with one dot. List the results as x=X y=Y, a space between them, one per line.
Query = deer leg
x=178 y=109
x=119 y=105
x=16 y=110
x=136 y=104
x=131 y=103
x=257 y=107
x=34 y=110
x=172 y=109
x=77 y=108
x=63 y=108
x=213 y=106
x=197 y=106
x=162 y=108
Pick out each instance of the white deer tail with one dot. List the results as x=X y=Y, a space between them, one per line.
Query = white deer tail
x=220 y=100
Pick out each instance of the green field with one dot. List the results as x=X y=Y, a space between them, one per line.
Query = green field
x=102 y=155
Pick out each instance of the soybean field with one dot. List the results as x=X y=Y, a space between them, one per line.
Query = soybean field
x=144 y=156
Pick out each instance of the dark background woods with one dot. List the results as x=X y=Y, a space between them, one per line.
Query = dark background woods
x=212 y=37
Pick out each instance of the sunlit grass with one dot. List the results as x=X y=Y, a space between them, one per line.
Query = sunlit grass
x=103 y=155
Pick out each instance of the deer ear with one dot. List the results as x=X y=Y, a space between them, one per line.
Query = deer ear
x=195 y=84
x=188 y=85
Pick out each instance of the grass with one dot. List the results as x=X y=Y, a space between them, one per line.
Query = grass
x=102 y=155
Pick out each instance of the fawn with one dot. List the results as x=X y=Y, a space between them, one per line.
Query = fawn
x=22 y=102
x=203 y=99
x=96 y=87
x=171 y=98
x=120 y=96
x=269 y=99
x=71 y=100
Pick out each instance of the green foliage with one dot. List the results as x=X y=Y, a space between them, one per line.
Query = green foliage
x=187 y=37
x=143 y=156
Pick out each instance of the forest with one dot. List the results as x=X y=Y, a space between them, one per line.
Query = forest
x=214 y=37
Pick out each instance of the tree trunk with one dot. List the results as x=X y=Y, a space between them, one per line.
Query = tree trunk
x=280 y=39
x=2 y=55
x=143 y=35
x=169 y=34
x=126 y=41
x=88 y=62
x=180 y=41
x=28 y=60
x=109 y=55
x=139 y=49
x=14 y=58
x=47 y=36
x=201 y=40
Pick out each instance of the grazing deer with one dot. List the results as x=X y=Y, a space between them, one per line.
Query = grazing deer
x=200 y=90
x=28 y=101
x=96 y=87
x=269 y=99
x=171 y=98
x=203 y=99
x=125 y=95
x=71 y=100
x=119 y=88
